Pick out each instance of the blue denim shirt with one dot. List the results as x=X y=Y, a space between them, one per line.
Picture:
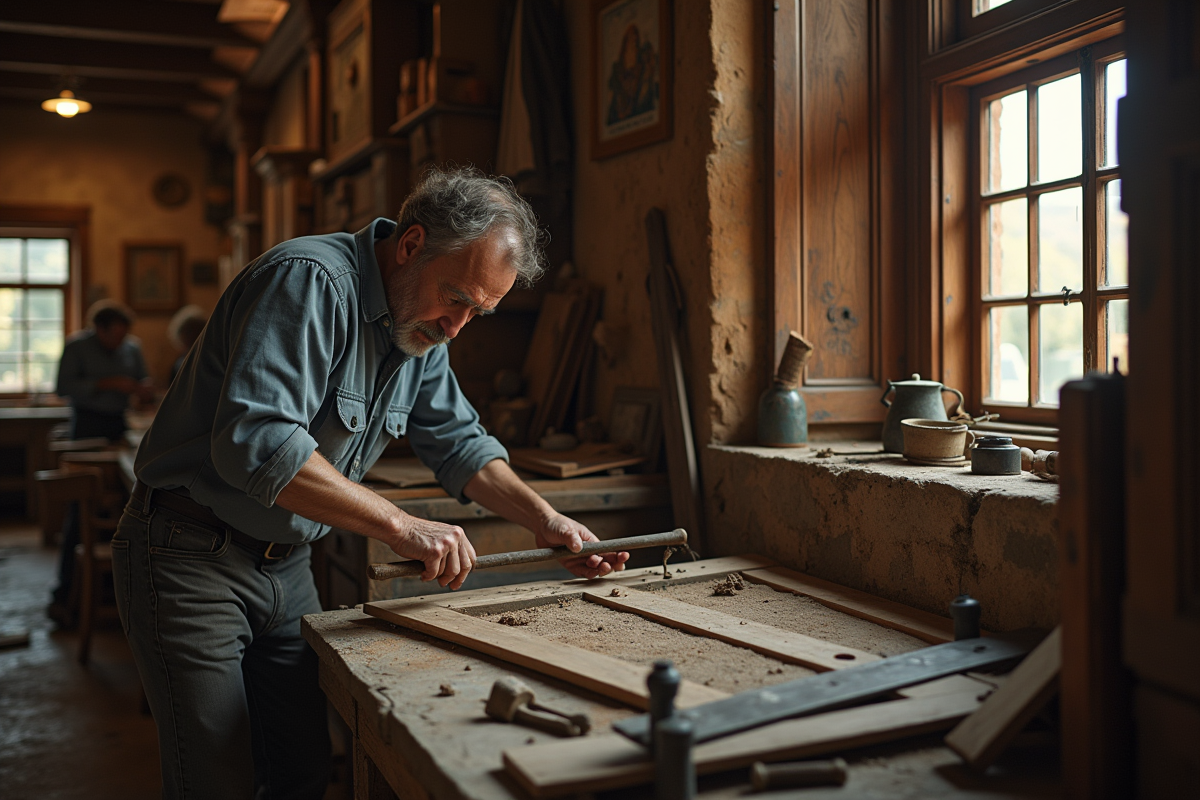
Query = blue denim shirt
x=298 y=357
x=85 y=361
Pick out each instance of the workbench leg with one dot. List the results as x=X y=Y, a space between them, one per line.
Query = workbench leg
x=369 y=783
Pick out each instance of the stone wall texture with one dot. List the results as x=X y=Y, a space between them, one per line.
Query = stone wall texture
x=917 y=535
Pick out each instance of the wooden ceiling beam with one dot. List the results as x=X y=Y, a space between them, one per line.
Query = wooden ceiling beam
x=49 y=54
x=131 y=21
x=26 y=84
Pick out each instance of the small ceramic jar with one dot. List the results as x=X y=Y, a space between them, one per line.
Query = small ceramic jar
x=995 y=455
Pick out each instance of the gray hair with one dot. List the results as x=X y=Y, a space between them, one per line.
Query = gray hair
x=460 y=205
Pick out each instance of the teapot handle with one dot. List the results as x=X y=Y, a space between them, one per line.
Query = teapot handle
x=958 y=407
x=886 y=392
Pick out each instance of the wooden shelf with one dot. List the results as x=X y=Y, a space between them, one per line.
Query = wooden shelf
x=415 y=118
x=355 y=158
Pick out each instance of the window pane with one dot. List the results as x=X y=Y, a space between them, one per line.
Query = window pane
x=1060 y=240
x=1008 y=354
x=1117 y=316
x=1060 y=348
x=1060 y=130
x=12 y=311
x=47 y=260
x=46 y=343
x=1007 y=156
x=42 y=375
x=1114 y=90
x=987 y=5
x=11 y=376
x=12 y=342
x=1116 y=237
x=46 y=304
x=10 y=260
x=1008 y=250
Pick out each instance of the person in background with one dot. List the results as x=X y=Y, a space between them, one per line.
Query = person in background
x=183 y=330
x=101 y=368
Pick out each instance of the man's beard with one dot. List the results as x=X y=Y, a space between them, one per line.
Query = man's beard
x=406 y=332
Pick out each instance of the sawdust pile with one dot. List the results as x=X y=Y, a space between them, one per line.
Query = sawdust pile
x=515 y=619
x=728 y=585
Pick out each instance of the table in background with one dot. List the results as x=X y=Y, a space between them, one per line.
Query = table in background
x=29 y=429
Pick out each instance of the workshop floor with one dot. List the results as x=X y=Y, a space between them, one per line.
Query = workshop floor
x=68 y=731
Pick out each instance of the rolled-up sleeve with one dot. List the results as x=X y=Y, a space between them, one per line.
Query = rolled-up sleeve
x=283 y=332
x=444 y=428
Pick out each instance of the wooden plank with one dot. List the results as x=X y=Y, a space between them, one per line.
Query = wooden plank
x=585 y=459
x=794 y=648
x=981 y=737
x=401 y=472
x=667 y=325
x=921 y=624
x=605 y=675
x=604 y=762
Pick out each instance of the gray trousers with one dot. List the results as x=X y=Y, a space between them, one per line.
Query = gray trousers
x=215 y=632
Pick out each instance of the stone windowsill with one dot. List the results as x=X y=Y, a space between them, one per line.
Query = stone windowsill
x=874 y=522
x=865 y=456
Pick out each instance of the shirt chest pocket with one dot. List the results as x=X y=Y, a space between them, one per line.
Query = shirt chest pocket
x=397 y=420
x=343 y=426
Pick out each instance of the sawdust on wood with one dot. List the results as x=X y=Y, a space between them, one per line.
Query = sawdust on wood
x=725 y=587
x=446 y=690
x=711 y=662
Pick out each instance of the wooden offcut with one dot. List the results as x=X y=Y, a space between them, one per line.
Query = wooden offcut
x=586 y=459
x=906 y=619
x=982 y=737
x=605 y=762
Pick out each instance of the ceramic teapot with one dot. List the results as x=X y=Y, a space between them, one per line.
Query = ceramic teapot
x=914 y=398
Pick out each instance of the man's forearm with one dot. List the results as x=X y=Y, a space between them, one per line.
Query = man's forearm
x=497 y=488
x=320 y=493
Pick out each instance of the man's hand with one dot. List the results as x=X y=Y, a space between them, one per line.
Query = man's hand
x=445 y=549
x=562 y=530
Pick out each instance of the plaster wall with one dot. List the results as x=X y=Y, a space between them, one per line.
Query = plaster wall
x=707 y=178
x=108 y=160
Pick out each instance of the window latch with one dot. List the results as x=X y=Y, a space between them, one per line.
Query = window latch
x=1066 y=294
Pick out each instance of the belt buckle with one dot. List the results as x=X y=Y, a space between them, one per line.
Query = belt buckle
x=268 y=554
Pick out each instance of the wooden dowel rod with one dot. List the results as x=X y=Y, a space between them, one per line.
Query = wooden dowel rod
x=412 y=569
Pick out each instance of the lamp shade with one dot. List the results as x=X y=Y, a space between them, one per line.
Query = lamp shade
x=67 y=104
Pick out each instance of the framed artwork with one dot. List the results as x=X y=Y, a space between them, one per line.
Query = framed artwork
x=631 y=74
x=154 y=276
x=635 y=421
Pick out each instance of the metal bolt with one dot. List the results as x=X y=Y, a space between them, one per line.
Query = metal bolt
x=965 y=611
x=674 y=772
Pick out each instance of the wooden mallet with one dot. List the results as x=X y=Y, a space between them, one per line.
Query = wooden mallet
x=511 y=700
x=412 y=569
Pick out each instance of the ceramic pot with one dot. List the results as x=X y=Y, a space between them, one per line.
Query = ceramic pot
x=933 y=439
x=914 y=399
x=995 y=455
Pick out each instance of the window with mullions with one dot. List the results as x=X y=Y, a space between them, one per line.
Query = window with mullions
x=1053 y=294
x=34 y=275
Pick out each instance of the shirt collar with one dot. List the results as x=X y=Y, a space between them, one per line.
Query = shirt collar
x=373 y=296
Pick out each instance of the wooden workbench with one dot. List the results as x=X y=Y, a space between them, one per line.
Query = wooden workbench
x=28 y=429
x=414 y=739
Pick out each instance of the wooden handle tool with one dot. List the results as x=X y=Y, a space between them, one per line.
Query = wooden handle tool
x=412 y=569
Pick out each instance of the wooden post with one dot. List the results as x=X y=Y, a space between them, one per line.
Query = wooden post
x=1096 y=713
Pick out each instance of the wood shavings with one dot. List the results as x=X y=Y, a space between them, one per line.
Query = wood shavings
x=728 y=585
x=446 y=690
x=513 y=620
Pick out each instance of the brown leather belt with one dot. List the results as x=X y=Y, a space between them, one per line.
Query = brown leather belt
x=147 y=498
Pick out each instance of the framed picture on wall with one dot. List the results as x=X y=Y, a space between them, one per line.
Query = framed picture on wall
x=631 y=74
x=154 y=276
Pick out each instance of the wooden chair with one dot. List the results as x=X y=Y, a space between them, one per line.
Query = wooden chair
x=93 y=559
x=51 y=516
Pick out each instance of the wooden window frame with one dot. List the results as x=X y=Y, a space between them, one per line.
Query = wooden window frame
x=1092 y=181
x=942 y=331
x=70 y=222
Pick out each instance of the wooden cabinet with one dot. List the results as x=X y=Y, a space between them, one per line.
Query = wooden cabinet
x=371 y=183
x=287 y=193
x=368 y=40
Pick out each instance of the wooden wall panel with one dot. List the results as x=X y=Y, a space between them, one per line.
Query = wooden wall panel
x=836 y=195
x=838 y=242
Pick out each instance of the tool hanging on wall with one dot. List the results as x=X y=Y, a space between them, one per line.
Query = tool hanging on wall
x=782 y=413
x=412 y=569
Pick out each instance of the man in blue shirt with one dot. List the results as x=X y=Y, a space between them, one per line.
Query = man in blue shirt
x=319 y=353
x=100 y=369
